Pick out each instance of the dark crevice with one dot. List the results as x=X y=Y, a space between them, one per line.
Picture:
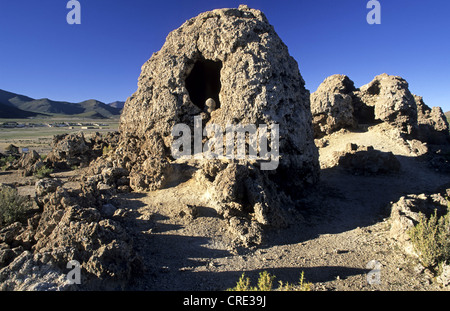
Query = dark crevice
x=204 y=82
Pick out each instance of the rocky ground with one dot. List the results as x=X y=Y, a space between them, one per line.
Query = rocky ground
x=341 y=226
x=356 y=167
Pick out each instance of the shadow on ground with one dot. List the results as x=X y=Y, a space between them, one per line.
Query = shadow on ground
x=343 y=201
x=340 y=202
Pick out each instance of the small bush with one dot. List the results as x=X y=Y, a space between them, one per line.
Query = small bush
x=242 y=285
x=5 y=160
x=302 y=286
x=431 y=239
x=43 y=172
x=107 y=149
x=265 y=283
x=12 y=206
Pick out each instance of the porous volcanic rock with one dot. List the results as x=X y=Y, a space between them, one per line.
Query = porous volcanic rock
x=69 y=225
x=405 y=214
x=68 y=150
x=337 y=104
x=332 y=105
x=365 y=160
x=433 y=125
x=392 y=101
x=235 y=58
x=29 y=163
x=75 y=149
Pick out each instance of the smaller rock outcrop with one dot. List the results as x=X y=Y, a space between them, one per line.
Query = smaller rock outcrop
x=406 y=213
x=331 y=105
x=433 y=125
x=70 y=225
x=392 y=101
x=30 y=163
x=70 y=150
x=365 y=160
x=337 y=105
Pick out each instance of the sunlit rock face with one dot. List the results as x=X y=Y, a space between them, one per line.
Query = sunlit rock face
x=227 y=66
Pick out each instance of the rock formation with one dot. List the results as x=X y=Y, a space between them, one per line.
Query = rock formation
x=362 y=160
x=332 y=106
x=392 y=102
x=433 y=125
x=30 y=163
x=67 y=225
x=70 y=150
x=234 y=58
x=337 y=104
x=406 y=213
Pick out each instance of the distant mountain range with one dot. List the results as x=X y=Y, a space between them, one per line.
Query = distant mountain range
x=19 y=106
x=117 y=104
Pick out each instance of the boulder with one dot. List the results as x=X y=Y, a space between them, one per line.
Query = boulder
x=332 y=105
x=29 y=163
x=228 y=67
x=365 y=160
x=433 y=125
x=68 y=150
x=46 y=185
x=392 y=102
x=12 y=150
x=405 y=214
x=28 y=159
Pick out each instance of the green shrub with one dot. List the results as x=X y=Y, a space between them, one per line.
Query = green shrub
x=242 y=285
x=302 y=286
x=431 y=239
x=12 y=206
x=43 y=172
x=5 y=160
x=107 y=149
x=265 y=283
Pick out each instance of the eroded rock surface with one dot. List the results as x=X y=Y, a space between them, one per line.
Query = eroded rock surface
x=234 y=58
x=337 y=104
x=69 y=225
x=332 y=105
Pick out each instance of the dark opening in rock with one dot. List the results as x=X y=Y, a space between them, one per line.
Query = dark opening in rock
x=363 y=114
x=204 y=82
x=374 y=89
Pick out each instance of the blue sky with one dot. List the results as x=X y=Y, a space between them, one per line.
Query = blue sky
x=43 y=56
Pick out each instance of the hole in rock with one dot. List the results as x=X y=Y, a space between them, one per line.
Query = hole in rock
x=374 y=89
x=204 y=82
x=365 y=114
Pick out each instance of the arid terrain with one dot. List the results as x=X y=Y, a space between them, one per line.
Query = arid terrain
x=338 y=229
x=40 y=137
x=356 y=169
